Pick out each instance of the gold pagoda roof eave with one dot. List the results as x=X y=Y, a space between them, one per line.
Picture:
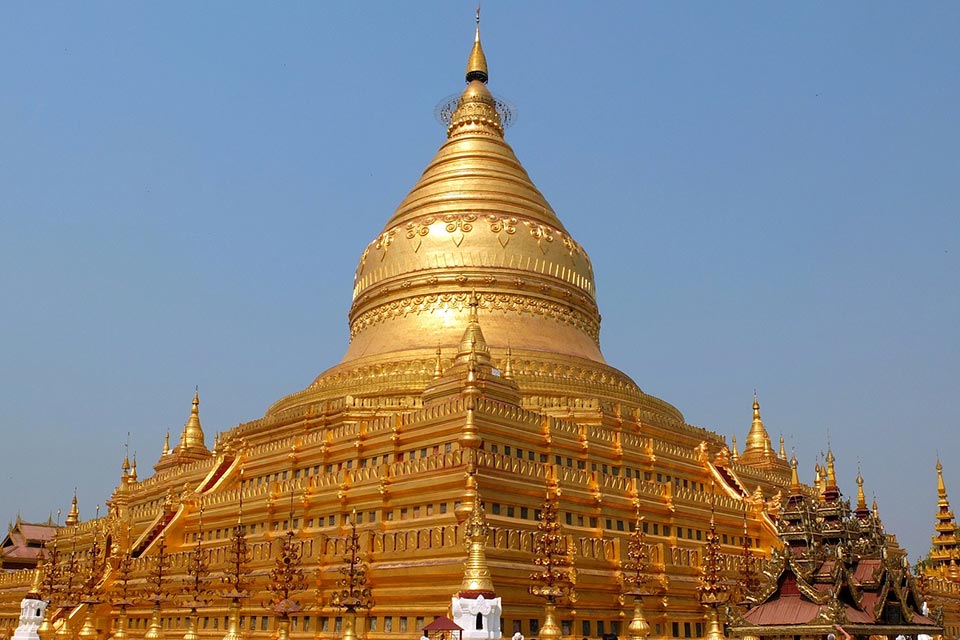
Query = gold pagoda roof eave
x=351 y=378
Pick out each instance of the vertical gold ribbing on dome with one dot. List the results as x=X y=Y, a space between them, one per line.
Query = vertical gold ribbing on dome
x=476 y=573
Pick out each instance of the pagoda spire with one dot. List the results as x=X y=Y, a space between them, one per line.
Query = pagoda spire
x=476 y=573
x=861 y=499
x=831 y=469
x=192 y=440
x=794 y=477
x=508 y=365
x=941 y=488
x=73 y=516
x=734 y=454
x=862 y=510
x=477 y=62
x=818 y=476
x=757 y=449
x=472 y=343
x=166 y=444
x=945 y=542
x=476 y=109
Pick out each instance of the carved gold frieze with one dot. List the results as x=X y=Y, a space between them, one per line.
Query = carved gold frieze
x=507 y=303
x=459 y=224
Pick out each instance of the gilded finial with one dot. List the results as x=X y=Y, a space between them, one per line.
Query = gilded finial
x=476 y=573
x=508 y=365
x=37 y=585
x=73 y=516
x=734 y=455
x=166 y=444
x=861 y=499
x=476 y=110
x=473 y=341
x=941 y=488
x=794 y=477
x=783 y=449
x=438 y=366
x=133 y=469
x=192 y=439
x=757 y=448
x=831 y=470
x=477 y=62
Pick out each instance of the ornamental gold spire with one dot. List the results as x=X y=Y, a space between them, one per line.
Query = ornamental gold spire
x=73 y=516
x=831 y=470
x=861 y=499
x=862 y=511
x=508 y=365
x=941 y=488
x=711 y=588
x=477 y=62
x=945 y=542
x=757 y=449
x=438 y=366
x=476 y=573
x=191 y=440
x=36 y=587
x=473 y=344
x=794 y=477
x=734 y=455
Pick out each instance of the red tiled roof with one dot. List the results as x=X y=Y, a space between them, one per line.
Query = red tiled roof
x=863 y=572
x=37 y=532
x=785 y=610
x=857 y=616
x=442 y=623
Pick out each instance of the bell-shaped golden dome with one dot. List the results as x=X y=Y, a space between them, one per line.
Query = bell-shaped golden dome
x=475 y=243
x=474 y=222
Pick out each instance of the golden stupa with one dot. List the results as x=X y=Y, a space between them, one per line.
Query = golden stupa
x=351 y=508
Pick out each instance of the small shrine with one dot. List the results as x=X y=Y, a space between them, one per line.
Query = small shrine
x=838 y=572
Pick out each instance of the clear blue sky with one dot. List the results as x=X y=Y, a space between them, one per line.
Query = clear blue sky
x=769 y=193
